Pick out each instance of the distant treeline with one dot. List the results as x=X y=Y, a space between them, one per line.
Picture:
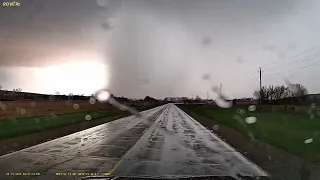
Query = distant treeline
x=14 y=95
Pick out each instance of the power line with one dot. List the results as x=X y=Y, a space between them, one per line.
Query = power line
x=304 y=52
x=301 y=67
x=306 y=59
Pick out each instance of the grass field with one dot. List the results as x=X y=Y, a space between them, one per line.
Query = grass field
x=54 y=115
x=20 y=126
x=284 y=130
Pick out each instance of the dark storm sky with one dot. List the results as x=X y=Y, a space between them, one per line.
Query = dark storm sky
x=163 y=47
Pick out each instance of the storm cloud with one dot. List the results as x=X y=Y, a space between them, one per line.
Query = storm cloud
x=164 y=47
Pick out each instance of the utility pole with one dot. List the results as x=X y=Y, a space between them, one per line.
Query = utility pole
x=220 y=87
x=207 y=95
x=260 y=72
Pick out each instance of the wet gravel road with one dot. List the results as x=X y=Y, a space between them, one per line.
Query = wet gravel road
x=164 y=141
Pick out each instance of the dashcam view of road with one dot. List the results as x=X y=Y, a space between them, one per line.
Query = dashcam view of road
x=169 y=143
x=159 y=89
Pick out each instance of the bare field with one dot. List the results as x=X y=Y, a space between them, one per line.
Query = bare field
x=19 y=109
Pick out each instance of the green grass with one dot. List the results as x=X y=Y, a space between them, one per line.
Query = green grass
x=21 y=126
x=287 y=131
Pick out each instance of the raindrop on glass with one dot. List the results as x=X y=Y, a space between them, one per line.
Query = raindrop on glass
x=53 y=116
x=206 y=77
x=36 y=120
x=206 y=41
x=14 y=121
x=252 y=108
x=51 y=97
x=251 y=136
x=313 y=105
x=22 y=111
x=18 y=109
x=241 y=111
x=70 y=97
x=308 y=141
x=251 y=119
x=311 y=116
x=102 y=95
x=3 y=106
x=92 y=100
x=76 y=106
x=88 y=117
x=215 y=127
x=102 y=3
x=269 y=157
x=237 y=117
x=239 y=60
x=32 y=104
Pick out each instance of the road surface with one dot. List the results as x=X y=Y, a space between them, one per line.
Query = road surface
x=163 y=141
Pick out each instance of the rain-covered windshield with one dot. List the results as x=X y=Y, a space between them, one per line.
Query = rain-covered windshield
x=159 y=88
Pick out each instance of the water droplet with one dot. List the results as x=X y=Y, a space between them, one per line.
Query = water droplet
x=241 y=111
x=269 y=157
x=313 y=105
x=215 y=127
x=70 y=97
x=308 y=141
x=251 y=119
x=76 y=106
x=122 y=107
x=102 y=95
x=239 y=60
x=3 y=106
x=92 y=100
x=33 y=104
x=206 y=77
x=22 y=111
x=36 y=120
x=51 y=97
x=251 y=136
x=14 y=121
x=53 y=116
x=311 y=116
x=206 y=41
x=102 y=3
x=252 y=108
x=237 y=117
x=88 y=117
